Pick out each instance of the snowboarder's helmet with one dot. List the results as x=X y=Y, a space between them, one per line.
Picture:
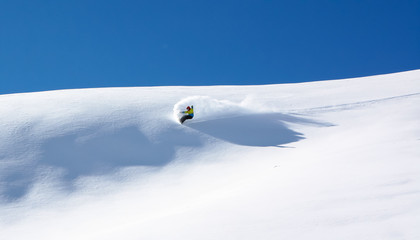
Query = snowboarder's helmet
x=188 y=108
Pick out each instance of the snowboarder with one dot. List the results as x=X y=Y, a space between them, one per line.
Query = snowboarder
x=189 y=114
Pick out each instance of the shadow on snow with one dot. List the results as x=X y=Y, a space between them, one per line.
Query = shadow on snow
x=260 y=130
x=93 y=152
x=106 y=152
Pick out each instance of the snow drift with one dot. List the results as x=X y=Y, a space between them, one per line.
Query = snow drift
x=322 y=160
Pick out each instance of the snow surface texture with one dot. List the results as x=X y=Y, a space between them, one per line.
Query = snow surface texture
x=322 y=160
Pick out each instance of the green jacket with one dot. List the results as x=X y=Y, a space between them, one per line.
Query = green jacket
x=190 y=112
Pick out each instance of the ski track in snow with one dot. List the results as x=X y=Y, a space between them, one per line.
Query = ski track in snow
x=354 y=105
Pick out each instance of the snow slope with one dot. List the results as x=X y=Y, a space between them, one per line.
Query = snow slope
x=322 y=160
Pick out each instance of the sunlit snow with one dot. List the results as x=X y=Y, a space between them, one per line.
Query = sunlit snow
x=323 y=160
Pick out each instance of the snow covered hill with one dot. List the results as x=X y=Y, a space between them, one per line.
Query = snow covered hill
x=322 y=160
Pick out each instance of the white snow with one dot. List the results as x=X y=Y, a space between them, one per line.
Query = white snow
x=321 y=160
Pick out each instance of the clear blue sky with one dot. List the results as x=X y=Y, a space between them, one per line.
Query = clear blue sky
x=53 y=44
